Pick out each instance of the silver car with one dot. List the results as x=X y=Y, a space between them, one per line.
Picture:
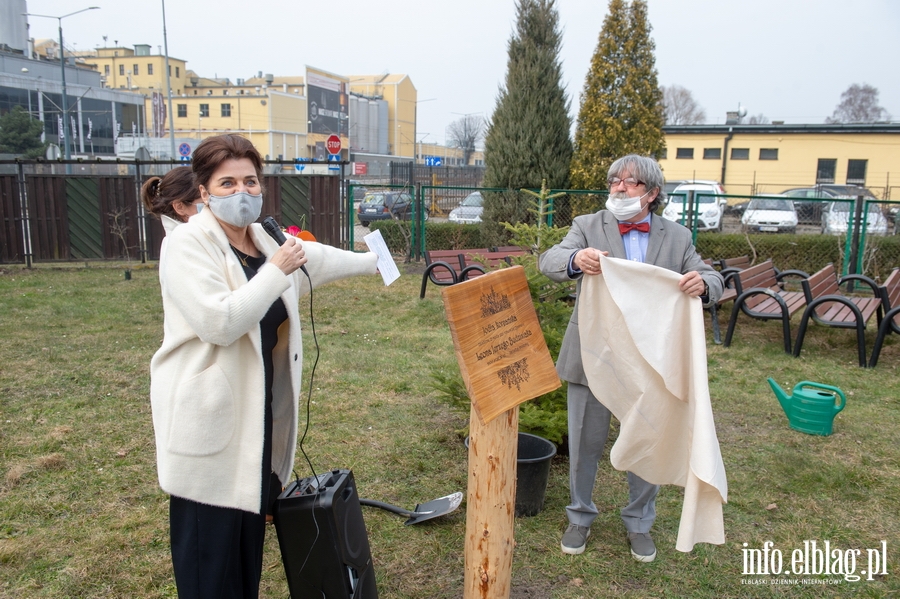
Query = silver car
x=836 y=218
x=469 y=211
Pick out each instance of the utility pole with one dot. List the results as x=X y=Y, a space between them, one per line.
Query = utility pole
x=168 y=84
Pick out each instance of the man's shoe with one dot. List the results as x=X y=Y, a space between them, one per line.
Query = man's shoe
x=642 y=547
x=574 y=539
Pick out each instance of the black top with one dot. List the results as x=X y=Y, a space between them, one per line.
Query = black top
x=268 y=328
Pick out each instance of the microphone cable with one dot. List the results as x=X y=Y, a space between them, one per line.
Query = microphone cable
x=274 y=231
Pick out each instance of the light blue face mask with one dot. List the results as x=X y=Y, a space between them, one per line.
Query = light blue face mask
x=199 y=206
x=238 y=209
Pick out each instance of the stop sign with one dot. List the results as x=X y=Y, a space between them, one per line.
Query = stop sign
x=333 y=144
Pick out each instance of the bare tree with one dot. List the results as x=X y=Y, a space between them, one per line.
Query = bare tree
x=465 y=133
x=758 y=119
x=859 y=104
x=680 y=106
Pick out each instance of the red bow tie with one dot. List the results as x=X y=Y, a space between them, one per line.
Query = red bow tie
x=626 y=227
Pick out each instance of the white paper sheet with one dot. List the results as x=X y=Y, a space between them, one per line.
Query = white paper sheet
x=386 y=265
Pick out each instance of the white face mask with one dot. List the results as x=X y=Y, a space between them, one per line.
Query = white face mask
x=624 y=207
x=239 y=209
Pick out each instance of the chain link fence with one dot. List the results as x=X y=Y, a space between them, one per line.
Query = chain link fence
x=808 y=235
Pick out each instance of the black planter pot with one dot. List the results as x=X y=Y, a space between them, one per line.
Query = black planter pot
x=533 y=458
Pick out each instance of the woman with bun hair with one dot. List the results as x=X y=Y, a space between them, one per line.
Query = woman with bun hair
x=172 y=198
x=225 y=384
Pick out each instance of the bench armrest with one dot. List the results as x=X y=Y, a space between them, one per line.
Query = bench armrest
x=464 y=274
x=779 y=276
x=863 y=279
x=729 y=274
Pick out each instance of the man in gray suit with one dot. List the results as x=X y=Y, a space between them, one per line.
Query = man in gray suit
x=627 y=228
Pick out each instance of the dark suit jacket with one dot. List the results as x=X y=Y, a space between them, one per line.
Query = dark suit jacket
x=670 y=246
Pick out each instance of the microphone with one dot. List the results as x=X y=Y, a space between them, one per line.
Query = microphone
x=271 y=227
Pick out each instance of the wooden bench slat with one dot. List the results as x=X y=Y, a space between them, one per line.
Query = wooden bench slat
x=755 y=286
x=739 y=263
x=825 y=284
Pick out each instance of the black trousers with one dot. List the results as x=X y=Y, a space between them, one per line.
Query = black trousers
x=216 y=552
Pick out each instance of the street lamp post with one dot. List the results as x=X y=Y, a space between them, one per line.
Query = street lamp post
x=169 y=85
x=62 y=68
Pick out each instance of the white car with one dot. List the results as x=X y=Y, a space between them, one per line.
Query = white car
x=772 y=214
x=699 y=196
x=469 y=211
x=836 y=218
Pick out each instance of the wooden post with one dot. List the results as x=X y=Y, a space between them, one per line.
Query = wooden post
x=491 y=505
x=504 y=361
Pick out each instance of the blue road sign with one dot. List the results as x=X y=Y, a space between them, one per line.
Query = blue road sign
x=185 y=158
x=184 y=149
x=334 y=158
x=434 y=161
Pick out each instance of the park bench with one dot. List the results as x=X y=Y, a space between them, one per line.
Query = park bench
x=442 y=267
x=890 y=323
x=448 y=267
x=727 y=265
x=713 y=308
x=759 y=295
x=827 y=305
x=474 y=264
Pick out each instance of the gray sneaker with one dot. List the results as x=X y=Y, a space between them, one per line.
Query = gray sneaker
x=574 y=539
x=642 y=547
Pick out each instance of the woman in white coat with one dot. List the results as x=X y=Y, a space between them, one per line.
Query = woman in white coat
x=226 y=381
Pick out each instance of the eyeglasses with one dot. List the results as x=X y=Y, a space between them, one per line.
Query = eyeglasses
x=630 y=182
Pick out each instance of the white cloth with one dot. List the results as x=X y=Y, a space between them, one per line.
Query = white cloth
x=207 y=387
x=644 y=354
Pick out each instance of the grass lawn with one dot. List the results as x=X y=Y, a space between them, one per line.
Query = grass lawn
x=81 y=514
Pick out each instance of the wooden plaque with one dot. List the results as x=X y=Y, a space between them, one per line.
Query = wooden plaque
x=499 y=343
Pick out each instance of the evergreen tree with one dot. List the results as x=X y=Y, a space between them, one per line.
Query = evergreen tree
x=528 y=137
x=622 y=110
x=20 y=134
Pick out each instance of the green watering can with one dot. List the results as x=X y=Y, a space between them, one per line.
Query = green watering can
x=812 y=407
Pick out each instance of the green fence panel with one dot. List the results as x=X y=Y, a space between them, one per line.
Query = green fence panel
x=296 y=206
x=85 y=230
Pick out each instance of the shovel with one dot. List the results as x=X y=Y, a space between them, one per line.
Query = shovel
x=424 y=511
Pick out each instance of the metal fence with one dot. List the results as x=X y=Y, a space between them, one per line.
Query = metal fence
x=856 y=235
x=91 y=210
x=57 y=211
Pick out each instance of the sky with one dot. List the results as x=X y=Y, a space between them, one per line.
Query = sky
x=789 y=60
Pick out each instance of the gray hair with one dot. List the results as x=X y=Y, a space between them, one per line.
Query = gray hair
x=645 y=169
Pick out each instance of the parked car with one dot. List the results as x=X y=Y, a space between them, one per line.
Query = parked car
x=809 y=200
x=359 y=190
x=771 y=214
x=470 y=209
x=737 y=210
x=836 y=218
x=709 y=210
x=385 y=205
x=671 y=186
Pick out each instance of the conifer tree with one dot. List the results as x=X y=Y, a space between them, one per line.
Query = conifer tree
x=528 y=137
x=622 y=110
x=20 y=134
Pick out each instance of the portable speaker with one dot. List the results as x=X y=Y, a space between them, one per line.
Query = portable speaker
x=323 y=540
